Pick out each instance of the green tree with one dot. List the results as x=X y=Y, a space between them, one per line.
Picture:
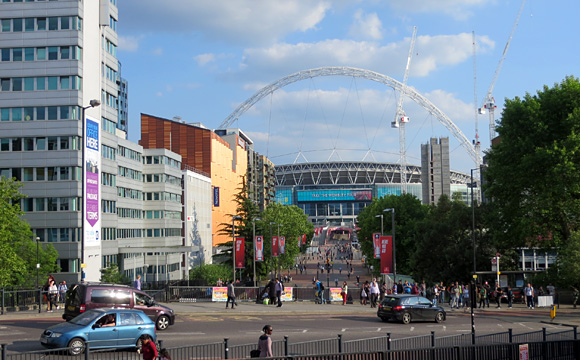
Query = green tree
x=533 y=178
x=408 y=210
x=211 y=273
x=112 y=275
x=18 y=261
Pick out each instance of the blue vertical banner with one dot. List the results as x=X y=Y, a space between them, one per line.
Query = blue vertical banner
x=216 y=196
x=92 y=168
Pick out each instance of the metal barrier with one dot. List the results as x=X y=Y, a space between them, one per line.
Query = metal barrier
x=371 y=344
x=206 y=351
x=415 y=342
x=499 y=338
x=315 y=347
x=204 y=293
x=453 y=340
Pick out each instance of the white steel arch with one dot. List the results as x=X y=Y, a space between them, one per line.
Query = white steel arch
x=364 y=74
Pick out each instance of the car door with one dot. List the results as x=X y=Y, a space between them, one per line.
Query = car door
x=413 y=309
x=143 y=302
x=426 y=308
x=103 y=337
x=131 y=327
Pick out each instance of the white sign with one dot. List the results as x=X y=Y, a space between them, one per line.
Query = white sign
x=524 y=352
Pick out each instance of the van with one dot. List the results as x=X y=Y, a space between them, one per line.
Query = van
x=86 y=296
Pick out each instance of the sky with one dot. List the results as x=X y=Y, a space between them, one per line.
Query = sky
x=201 y=59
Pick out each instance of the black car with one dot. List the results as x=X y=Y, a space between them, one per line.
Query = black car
x=407 y=308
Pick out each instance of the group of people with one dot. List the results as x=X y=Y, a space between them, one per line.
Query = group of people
x=55 y=294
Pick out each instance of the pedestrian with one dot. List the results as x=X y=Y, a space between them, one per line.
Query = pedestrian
x=529 y=292
x=148 y=348
x=279 y=289
x=575 y=294
x=374 y=289
x=466 y=297
x=344 y=292
x=52 y=294
x=487 y=293
x=231 y=295
x=164 y=354
x=62 y=289
x=364 y=294
x=137 y=283
x=510 y=297
x=498 y=293
x=265 y=342
x=482 y=295
x=435 y=294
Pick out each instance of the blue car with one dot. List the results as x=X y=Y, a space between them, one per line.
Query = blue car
x=100 y=328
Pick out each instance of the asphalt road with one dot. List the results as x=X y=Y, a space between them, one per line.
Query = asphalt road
x=204 y=323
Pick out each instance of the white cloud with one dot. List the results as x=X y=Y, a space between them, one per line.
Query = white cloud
x=157 y=51
x=204 y=59
x=245 y=22
x=129 y=43
x=159 y=94
x=366 y=26
x=456 y=9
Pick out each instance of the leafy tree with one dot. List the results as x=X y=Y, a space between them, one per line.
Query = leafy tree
x=211 y=273
x=533 y=178
x=408 y=210
x=113 y=275
x=18 y=261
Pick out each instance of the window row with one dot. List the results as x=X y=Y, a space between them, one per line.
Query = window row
x=64 y=112
x=50 y=173
x=41 y=83
x=41 y=53
x=110 y=100
x=108 y=179
x=129 y=173
x=163 y=196
x=113 y=23
x=129 y=154
x=108 y=125
x=129 y=213
x=161 y=214
x=130 y=193
x=51 y=204
x=110 y=47
x=51 y=23
x=109 y=73
x=162 y=232
x=108 y=207
x=50 y=143
x=162 y=178
x=58 y=234
x=160 y=159
x=108 y=152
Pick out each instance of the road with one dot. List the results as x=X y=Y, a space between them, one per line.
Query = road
x=299 y=323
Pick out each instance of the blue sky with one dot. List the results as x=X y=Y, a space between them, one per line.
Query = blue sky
x=200 y=59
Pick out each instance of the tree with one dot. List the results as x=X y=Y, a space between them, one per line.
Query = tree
x=18 y=261
x=211 y=273
x=112 y=275
x=533 y=178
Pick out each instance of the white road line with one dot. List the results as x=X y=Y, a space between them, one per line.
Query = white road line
x=412 y=328
x=379 y=329
x=343 y=330
x=444 y=328
x=500 y=325
x=522 y=324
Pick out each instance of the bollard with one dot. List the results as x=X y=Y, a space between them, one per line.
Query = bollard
x=340 y=343
x=432 y=338
x=510 y=335
x=388 y=341
x=575 y=332
x=87 y=351
x=226 y=349
x=544 y=334
x=285 y=345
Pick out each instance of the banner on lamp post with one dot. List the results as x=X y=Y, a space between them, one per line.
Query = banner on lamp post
x=282 y=244
x=303 y=239
x=377 y=245
x=240 y=252
x=259 y=248
x=386 y=254
x=274 y=246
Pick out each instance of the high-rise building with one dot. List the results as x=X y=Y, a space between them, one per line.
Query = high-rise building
x=435 y=170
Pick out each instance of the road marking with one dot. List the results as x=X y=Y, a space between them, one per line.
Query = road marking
x=412 y=328
x=343 y=329
x=379 y=329
x=522 y=324
x=444 y=328
x=303 y=331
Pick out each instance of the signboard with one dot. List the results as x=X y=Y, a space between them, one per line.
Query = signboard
x=219 y=293
x=259 y=248
x=274 y=246
x=335 y=294
x=92 y=169
x=524 y=352
x=240 y=252
x=377 y=245
x=216 y=196
x=287 y=294
x=282 y=244
x=334 y=195
x=386 y=254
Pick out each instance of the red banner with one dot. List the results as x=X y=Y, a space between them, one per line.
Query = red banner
x=259 y=248
x=282 y=244
x=240 y=252
x=303 y=239
x=377 y=245
x=386 y=254
x=274 y=246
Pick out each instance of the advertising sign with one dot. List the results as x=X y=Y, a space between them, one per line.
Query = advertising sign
x=282 y=244
x=240 y=252
x=216 y=196
x=259 y=250
x=334 y=195
x=219 y=293
x=274 y=246
x=524 y=352
x=287 y=294
x=377 y=245
x=386 y=254
x=335 y=294
x=92 y=195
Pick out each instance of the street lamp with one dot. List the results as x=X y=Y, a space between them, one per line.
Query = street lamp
x=234 y=218
x=254 y=242
x=472 y=290
x=93 y=103
x=381 y=216
x=37 y=262
x=392 y=210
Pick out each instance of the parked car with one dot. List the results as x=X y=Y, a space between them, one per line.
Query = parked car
x=100 y=328
x=407 y=308
x=86 y=296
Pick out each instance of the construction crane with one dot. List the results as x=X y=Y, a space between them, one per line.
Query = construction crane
x=489 y=101
x=476 y=142
x=401 y=119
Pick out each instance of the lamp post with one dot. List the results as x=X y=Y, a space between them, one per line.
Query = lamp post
x=271 y=248
x=472 y=290
x=37 y=262
x=234 y=218
x=277 y=257
x=392 y=210
x=93 y=103
x=254 y=242
x=381 y=216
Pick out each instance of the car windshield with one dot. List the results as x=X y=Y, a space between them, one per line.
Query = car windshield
x=86 y=318
x=390 y=301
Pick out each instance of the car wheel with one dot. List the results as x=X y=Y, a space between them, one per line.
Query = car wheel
x=76 y=346
x=439 y=317
x=139 y=344
x=406 y=318
x=162 y=322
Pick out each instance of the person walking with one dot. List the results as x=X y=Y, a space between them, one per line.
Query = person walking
x=52 y=294
x=498 y=293
x=482 y=296
x=62 y=289
x=148 y=348
x=529 y=292
x=344 y=292
x=265 y=342
x=279 y=289
x=575 y=294
x=374 y=293
x=510 y=297
x=231 y=295
x=137 y=283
